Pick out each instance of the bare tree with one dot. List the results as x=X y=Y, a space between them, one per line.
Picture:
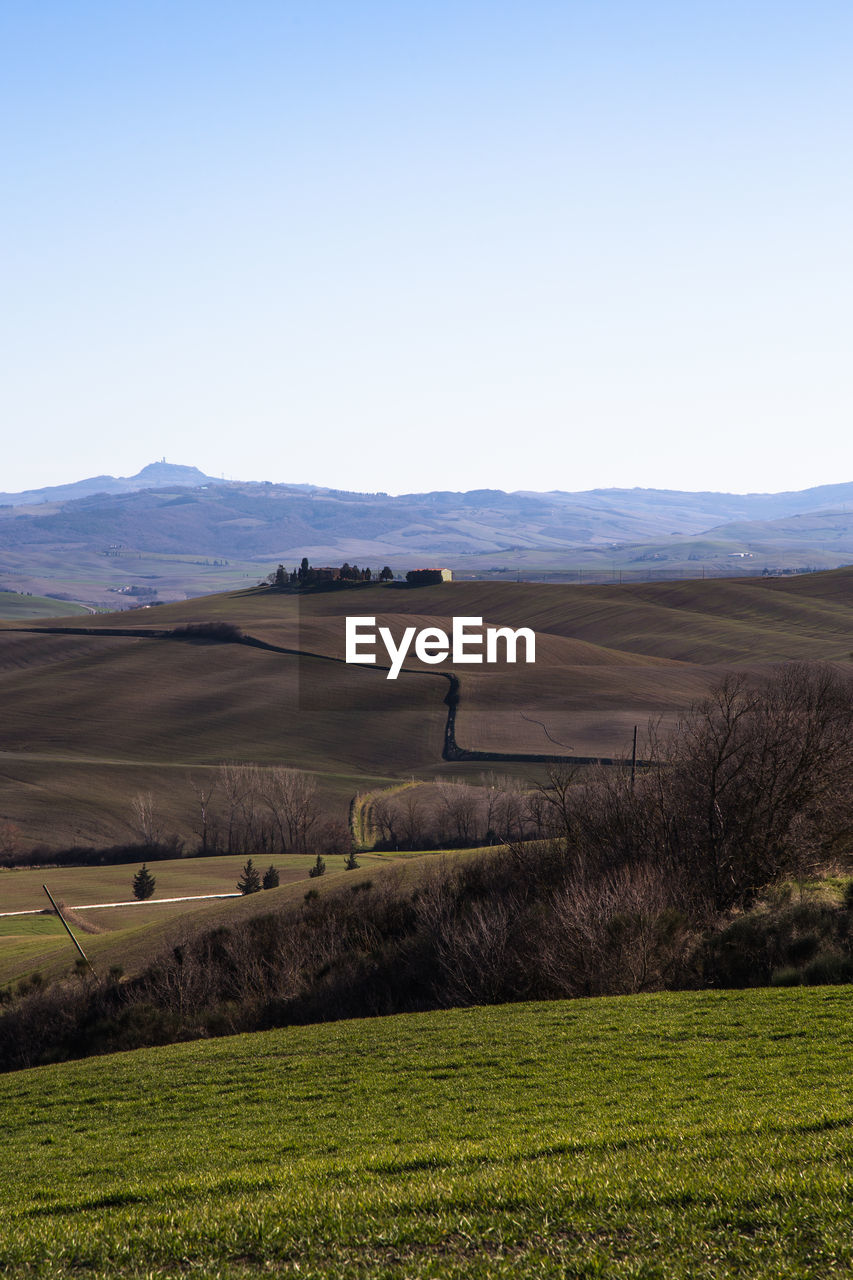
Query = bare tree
x=204 y=790
x=537 y=813
x=458 y=803
x=384 y=819
x=510 y=810
x=232 y=782
x=411 y=820
x=761 y=779
x=559 y=794
x=290 y=799
x=146 y=819
x=490 y=783
x=752 y=785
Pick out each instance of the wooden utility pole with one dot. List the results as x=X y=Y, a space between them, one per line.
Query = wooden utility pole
x=68 y=928
x=634 y=758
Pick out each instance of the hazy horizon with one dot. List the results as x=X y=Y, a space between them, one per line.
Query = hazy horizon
x=321 y=484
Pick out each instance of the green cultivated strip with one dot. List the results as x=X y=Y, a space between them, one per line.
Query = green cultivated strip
x=684 y=1135
x=16 y=607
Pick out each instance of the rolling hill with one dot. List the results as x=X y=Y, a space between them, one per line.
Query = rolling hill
x=92 y=719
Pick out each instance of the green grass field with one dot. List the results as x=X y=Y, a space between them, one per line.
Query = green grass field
x=693 y=1136
x=21 y=889
x=14 y=606
x=130 y=936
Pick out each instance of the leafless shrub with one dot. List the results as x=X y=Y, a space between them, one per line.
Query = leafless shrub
x=146 y=820
x=617 y=934
x=10 y=840
x=752 y=785
x=290 y=797
x=205 y=791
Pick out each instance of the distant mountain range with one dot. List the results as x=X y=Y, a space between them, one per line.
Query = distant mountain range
x=689 y=512
x=90 y=534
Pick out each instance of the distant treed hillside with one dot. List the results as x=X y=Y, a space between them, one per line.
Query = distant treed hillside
x=97 y=531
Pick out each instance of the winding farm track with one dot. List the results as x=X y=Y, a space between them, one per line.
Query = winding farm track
x=451 y=750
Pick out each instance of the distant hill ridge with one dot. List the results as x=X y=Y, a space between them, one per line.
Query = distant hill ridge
x=722 y=506
x=156 y=475
x=103 y=528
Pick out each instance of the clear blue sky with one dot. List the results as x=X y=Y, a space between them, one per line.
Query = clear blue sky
x=382 y=245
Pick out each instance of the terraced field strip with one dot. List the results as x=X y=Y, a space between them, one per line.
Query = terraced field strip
x=14 y=606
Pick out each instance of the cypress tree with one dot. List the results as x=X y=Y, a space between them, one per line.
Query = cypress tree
x=143 y=883
x=250 y=881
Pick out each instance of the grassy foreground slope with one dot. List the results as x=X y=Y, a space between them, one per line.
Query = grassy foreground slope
x=666 y=1136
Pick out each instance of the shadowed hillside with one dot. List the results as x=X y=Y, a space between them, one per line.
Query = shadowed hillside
x=92 y=719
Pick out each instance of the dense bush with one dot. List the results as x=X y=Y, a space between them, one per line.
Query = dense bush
x=209 y=632
x=804 y=942
x=88 y=856
x=752 y=786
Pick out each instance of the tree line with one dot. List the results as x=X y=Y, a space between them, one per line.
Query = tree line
x=237 y=808
x=452 y=813
x=305 y=575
